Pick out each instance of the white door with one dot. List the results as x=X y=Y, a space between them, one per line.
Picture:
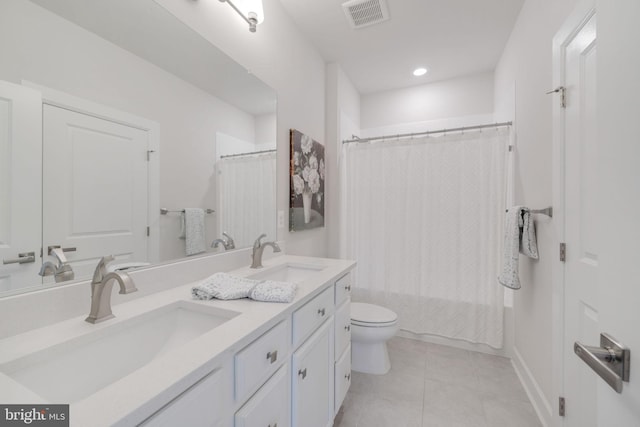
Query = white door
x=581 y=222
x=619 y=209
x=602 y=206
x=95 y=195
x=20 y=185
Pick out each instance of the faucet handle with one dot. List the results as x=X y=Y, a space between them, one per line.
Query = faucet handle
x=258 y=243
x=101 y=268
x=230 y=244
x=58 y=254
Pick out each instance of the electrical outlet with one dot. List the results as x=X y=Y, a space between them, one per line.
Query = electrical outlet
x=280 y=219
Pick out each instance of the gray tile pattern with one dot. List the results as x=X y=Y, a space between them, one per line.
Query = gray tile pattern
x=431 y=385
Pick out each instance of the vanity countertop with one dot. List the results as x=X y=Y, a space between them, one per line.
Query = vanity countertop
x=154 y=384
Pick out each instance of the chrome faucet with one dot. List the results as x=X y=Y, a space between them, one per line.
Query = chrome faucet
x=101 y=287
x=60 y=269
x=226 y=241
x=258 y=249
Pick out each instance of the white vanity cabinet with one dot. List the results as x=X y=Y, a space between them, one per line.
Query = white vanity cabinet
x=342 y=332
x=312 y=385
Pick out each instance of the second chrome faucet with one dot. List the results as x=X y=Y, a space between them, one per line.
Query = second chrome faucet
x=101 y=287
x=258 y=249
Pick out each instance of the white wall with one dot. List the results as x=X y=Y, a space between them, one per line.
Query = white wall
x=56 y=53
x=465 y=96
x=523 y=75
x=342 y=121
x=279 y=55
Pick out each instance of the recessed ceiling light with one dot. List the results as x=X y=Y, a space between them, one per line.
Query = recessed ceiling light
x=420 y=71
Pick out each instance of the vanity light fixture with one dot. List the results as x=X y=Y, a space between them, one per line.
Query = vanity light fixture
x=250 y=10
x=419 y=71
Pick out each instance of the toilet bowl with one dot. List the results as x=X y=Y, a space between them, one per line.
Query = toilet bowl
x=371 y=327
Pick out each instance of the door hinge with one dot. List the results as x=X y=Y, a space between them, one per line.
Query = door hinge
x=149 y=154
x=563 y=95
x=561 y=406
x=148 y=231
x=563 y=252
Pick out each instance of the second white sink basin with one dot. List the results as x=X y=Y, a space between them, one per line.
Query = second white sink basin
x=75 y=369
x=289 y=272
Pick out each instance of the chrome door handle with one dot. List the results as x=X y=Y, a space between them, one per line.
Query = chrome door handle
x=52 y=247
x=347 y=328
x=347 y=288
x=611 y=360
x=321 y=311
x=272 y=356
x=303 y=373
x=23 y=258
x=347 y=376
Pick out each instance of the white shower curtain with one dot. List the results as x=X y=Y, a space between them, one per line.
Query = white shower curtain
x=423 y=218
x=247 y=197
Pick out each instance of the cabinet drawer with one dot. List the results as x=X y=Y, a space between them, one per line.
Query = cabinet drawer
x=270 y=406
x=311 y=315
x=342 y=324
x=200 y=405
x=260 y=359
x=343 y=288
x=343 y=378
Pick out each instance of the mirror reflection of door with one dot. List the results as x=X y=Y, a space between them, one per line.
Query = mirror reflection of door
x=20 y=185
x=96 y=193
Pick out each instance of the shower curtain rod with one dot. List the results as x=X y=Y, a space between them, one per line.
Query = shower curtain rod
x=248 y=154
x=431 y=132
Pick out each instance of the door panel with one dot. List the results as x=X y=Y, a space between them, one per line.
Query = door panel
x=95 y=199
x=581 y=228
x=20 y=184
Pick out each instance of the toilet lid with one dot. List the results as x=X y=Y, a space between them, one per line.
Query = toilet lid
x=363 y=313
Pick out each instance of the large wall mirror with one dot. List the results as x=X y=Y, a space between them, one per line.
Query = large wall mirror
x=111 y=112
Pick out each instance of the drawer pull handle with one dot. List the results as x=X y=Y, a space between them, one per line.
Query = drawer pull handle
x=272 y=356
x=347 y=328
x=348 y=376
x=321 y=311
x=347 y=288
x=275 y=425
x=303 y=373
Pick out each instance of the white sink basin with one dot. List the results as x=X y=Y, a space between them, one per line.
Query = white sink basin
x=290 y=272
x=75 y=369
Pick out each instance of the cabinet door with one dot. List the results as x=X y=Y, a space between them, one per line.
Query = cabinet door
x=343 y=378
x=342 y=328
x=20 y=186
x=199 y=406
x=269 y=407
x=312 y=385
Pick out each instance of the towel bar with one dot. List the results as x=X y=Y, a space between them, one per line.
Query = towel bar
x=164 y=211
x=546 y=211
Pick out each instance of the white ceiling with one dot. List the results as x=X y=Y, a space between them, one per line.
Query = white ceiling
x=450 y=37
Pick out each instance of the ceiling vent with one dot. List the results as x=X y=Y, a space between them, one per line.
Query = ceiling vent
x=362 y=13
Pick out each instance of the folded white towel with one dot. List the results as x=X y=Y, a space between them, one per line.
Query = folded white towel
x=509 y=276
x=194 y=231
x=273 y=291
x=223 y=286
x=528 y=243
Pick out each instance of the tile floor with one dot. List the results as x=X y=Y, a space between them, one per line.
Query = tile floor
x=434 y=385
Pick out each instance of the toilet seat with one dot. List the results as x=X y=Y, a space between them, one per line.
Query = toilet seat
x=372 y=316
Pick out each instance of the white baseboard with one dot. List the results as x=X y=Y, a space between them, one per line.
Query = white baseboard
x=540 y=403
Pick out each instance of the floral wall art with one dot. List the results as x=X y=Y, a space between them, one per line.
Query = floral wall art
x=306 y=205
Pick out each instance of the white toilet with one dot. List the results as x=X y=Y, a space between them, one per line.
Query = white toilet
x=371 y=327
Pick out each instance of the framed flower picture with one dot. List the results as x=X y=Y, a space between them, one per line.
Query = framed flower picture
x=307 y=170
